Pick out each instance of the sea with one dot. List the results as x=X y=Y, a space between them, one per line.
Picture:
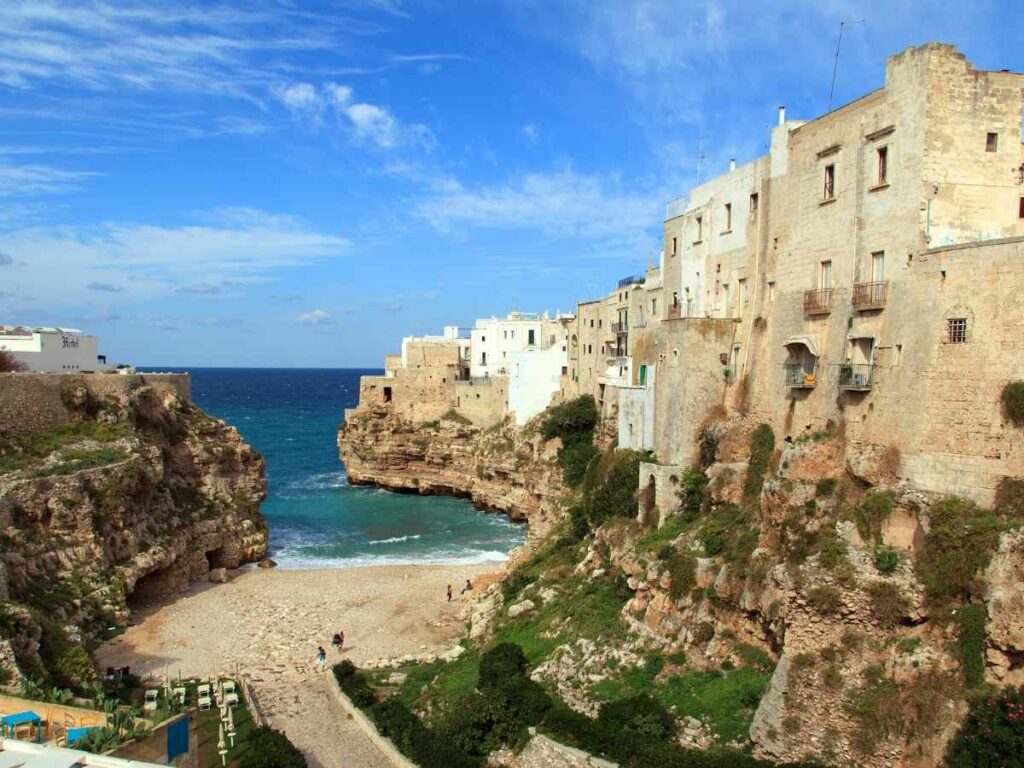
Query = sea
x=318 y=520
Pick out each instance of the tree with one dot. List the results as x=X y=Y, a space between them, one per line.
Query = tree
x=9 y=363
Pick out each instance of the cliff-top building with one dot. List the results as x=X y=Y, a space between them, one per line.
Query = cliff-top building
x=53 y=350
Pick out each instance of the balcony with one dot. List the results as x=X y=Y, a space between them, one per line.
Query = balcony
x=675 y=311
x=870 y=295
x=632 y=280
x=818 y=302
x=798 y=377
x=620 y=328
x=855 y=377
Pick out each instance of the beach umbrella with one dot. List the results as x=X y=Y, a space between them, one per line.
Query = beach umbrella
x=221 y=745
x=231 y=726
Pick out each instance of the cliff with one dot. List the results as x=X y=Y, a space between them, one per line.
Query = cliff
x=133 y=495
x=502 y=468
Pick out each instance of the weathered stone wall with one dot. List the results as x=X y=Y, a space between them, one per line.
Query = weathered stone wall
x=689 y=382
x=31 y=402
x=482 y=401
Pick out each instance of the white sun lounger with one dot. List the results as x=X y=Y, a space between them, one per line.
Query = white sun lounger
x=205 y=702
x=231 y=699
x=149 y=703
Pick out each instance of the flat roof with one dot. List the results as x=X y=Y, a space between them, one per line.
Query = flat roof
x=24 y=754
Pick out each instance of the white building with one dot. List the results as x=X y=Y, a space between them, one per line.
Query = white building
x=53 y=350
x=23 y=754
x=494 y=340
x=636 y=413
x=535 y=375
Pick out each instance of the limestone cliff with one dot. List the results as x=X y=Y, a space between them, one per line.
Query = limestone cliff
x=501 y=469
x=135 y=497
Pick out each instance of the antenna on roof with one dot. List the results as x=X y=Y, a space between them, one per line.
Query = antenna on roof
x=700 y=157
x=835 y=65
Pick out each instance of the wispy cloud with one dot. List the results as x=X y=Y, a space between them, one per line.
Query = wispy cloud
x=315 y=317
x=38 y=179
x=560 y=204
x=104 y=287
x=228 y=247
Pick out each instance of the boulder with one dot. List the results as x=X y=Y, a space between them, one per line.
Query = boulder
x=520 y=608
x=218 y=576
x=267 y=563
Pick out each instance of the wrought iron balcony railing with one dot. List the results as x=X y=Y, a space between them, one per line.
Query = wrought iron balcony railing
x=818 y=302
x=856 y=376
x=620 y=328
x=798 y=377
x=870 y=295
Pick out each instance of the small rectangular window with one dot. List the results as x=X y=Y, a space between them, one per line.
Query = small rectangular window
x=700 y=229
x=771 y=291
x=830 y=182
x=992 y=142
x=728 y=217
x=753 y=204
x=1020 y=213
x=883 y=166
x=675 y=245
x=956 y=330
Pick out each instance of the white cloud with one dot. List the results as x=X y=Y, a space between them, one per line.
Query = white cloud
x=532 y=134
x=560 y=204
x=38 y=180
x=302 y=100
x=315 y=317
x=372 y=123
x=227 y=247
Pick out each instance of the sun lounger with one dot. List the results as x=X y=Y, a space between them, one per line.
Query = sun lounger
x=149 y=703
x=205 y=702
x=231 y=699
x=204 y=689
x=228 y=686
x=179 y=694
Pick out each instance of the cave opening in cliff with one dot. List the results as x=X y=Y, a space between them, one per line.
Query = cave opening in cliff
x=153 y=586
x=215 y=558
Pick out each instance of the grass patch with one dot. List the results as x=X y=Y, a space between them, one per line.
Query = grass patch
x=970 y=644
x=20 y=452
x=762 y=446
x=75 y=460
x=871 y=513
x=452 y=415
x=956 y=549
x=726 y=701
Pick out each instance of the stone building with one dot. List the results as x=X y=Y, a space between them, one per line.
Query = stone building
x=865 y=271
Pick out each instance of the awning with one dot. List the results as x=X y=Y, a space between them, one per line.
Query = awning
x=852 y=336
x=808 y=341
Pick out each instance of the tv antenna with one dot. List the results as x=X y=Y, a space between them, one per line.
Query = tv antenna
x=835 y=64
x=701 y=157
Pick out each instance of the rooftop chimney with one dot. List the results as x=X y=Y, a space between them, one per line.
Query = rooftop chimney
x=782 y=115
x=732 y=163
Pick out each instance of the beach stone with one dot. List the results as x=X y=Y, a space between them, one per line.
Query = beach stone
x=397 y=678
x=267 y=563
x=218 y=576
x=520 y=608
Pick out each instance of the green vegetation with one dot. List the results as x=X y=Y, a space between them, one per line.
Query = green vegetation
x=825 y=599
x=762 y=447
x=888 y=604
x=682 y=567
x=958 y=546
x=573 y=422
x=726 y=531
x=267 y=748
x=1012 y=399
x=970 y=644
x=692 y=493
x=886 y=560
x=75 y=460
x=992 y=734
x=610 y=486
x=452 y=415
x=1009 y=500
x=876 y=707
x=871 y=513
x=20 y=452
x=826 y=486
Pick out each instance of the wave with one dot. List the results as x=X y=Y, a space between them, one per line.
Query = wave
x=297 y=561
x=396 y=539
x=324 y=481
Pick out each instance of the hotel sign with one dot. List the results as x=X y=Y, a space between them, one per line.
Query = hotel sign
x=69 y=342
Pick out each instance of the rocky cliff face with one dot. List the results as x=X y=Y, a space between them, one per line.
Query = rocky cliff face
x=502 y=469
x=133 y=500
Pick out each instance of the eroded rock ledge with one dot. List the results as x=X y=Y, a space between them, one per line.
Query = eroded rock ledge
x=137 y=496
x=502 y=469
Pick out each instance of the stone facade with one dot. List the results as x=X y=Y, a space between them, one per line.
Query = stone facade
x=32 y=402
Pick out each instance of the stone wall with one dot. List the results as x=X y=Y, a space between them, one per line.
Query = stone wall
x=31 y=402
x=482 y=401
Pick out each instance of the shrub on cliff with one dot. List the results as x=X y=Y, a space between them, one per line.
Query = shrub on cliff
x=762 y=446
x=956 y=549
x=611 y=485
x=9 y=363
x=871 y=513
x=970 y=643
x=573 y=422
x=267 y=748
x=992 y=734
x=1012 y=400
x=574 y=460
x=692 y=493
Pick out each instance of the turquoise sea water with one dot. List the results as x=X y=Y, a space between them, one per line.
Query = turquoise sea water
x=316 y=519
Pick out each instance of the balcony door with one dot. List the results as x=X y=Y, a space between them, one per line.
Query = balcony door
x=825 y=276
x=878 y=267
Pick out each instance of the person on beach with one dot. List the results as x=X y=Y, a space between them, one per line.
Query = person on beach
x=467 y=588
x=321 y=656
x=449 y=593
x=338 y=640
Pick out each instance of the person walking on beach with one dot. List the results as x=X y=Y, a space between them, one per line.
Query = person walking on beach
x=338 y=640
x=467 y=588
x=321 y=656
x=449 y=593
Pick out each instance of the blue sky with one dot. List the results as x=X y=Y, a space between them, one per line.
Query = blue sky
x=289 y=183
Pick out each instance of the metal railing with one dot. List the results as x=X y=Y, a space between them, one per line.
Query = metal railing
x=620 y=328
x=858 y=377
x=870 y=295
x=818 y=302
x=632 y=280
x=798 y=377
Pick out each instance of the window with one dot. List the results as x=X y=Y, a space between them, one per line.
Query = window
x=753 y=204
x=531 y=335
x=956 y=330
x=830 y=182
x=992 y=142
x=675 y=245
x=591 y=322
x=825 y=275
x=700 y=228
x=1020 y=213
x=506 y=334
x=878 y=266
x=728 y=217
x=883 y=166
x=654 y=302
x=771 y=291
x=897 y=355
x=741 y=295
x=483 y=358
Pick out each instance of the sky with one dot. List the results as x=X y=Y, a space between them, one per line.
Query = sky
x=295 y=183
